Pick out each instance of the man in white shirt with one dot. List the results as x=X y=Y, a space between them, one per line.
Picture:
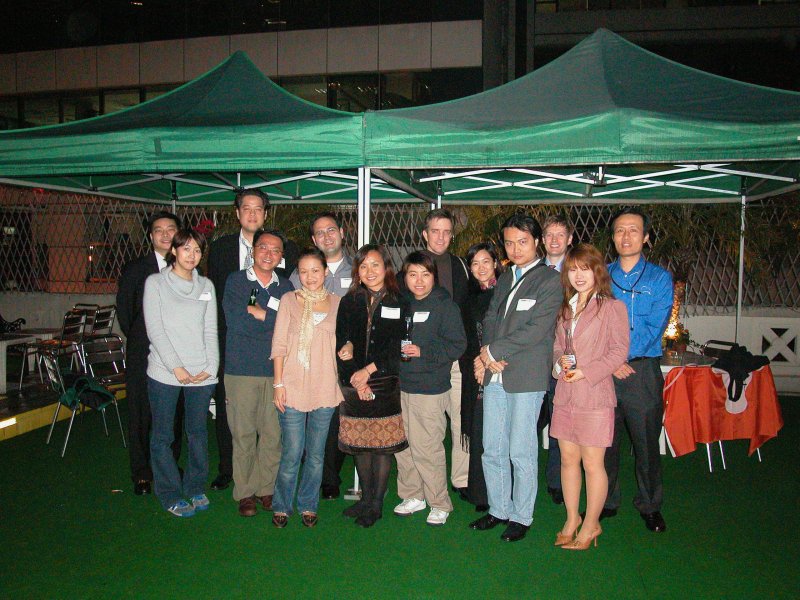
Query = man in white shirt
x=557 y=234
x=161 y=226
x=327 y=235
x=230 y=253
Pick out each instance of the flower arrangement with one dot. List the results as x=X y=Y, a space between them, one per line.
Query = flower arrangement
x=677 y=337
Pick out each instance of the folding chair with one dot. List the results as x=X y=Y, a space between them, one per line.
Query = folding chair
x=715 y=349
x=67 y=343
x=77 y=391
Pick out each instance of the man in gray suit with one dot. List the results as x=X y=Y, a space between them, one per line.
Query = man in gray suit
x=328 y=236
x=514 y=367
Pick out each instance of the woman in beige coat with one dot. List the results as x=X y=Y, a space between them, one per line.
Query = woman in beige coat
x=583 y=406
x=306 y=387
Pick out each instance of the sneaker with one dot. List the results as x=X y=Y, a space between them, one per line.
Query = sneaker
x=409 y=507
x=200 y=502
x=437 y=517
x=182 y=509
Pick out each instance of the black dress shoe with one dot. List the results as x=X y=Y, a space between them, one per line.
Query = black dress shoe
x=487 y=521
x=462 y=492
x=221 y=482
x=654 y=522
x=556 y=494
x=330 y=492
x=142 y=487
x=606 y=513
x=514 y=532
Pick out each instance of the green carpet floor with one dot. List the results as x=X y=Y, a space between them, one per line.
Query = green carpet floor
x=65 y=533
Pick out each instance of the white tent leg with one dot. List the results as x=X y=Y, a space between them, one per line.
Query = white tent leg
x=364 y=189
x=364 y=196
x=740 y=289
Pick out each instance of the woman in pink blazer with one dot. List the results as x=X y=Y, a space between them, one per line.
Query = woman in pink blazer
x=583 y=412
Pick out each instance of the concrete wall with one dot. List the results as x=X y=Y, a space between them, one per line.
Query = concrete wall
x=402 y=47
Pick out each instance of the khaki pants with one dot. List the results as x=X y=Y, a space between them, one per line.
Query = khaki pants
x=422 y=467
x=459 y=458
x=256 y=434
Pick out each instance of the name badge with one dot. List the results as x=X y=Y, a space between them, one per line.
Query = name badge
x=273 y=303
x=525 y=303
x=421 y=317
x=282 y=264
x=387 y=312
x=205 y=296
x=346 y=282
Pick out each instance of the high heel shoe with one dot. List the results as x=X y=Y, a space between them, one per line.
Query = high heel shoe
x=562 y=538
x=584 y=545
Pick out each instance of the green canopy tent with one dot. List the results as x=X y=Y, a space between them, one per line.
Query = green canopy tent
x=229 y=129
x=607 y=122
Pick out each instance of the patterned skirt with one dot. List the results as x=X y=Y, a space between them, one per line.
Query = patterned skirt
x=375 y=426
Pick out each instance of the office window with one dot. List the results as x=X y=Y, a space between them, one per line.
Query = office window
x=353 y=93
x=40 y=111
x=427 y=87
x=115 y=100
x=75 y=108
x=9 y=114
x=314 y=89
x=158 y=90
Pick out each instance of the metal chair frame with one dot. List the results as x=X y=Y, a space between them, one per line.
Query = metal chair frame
x=105 y=360
x=68 y=342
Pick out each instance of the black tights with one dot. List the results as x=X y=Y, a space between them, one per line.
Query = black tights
x=373 y=473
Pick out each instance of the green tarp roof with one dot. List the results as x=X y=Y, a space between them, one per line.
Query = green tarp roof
x=607 y=121
x=228 y=128
x=607 y=107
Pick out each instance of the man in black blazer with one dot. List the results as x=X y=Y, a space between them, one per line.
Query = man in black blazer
x=514 y=367
x=162 y=227
x=453 y=276
x=229 y=253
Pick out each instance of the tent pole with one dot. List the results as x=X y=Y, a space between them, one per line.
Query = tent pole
x=740 y=290
x=364 y=190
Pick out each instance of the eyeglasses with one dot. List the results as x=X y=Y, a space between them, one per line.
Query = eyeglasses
x=323 y=232
x=265 y=248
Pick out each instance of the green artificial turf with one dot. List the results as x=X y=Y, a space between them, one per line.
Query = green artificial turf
x=65 y=533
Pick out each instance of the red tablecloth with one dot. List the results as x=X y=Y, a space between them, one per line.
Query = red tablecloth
x=695 y=411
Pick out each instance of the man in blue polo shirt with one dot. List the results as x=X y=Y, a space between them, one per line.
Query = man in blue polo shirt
x=646 y=290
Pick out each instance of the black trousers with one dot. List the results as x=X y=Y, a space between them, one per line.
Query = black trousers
x=139 y=418
x=553 y=471
x=223 y=431
x=334 y=458
x=640 y=407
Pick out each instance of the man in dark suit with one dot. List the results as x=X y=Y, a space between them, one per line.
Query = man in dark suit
x=514 y=367
x=162 y=227
x=230 y=253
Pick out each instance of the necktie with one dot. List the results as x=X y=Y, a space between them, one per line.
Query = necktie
x=517 y=274
x=552 y=266
x=248 y=259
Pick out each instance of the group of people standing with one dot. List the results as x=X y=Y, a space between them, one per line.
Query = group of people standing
x=346 y=356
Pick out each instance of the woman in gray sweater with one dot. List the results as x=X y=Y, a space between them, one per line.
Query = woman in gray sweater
x=180 y=312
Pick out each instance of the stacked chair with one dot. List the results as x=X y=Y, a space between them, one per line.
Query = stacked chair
x=101 y=378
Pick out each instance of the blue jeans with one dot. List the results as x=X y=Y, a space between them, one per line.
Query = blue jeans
x=509 y=437
x=166 y=478
x=301 y=431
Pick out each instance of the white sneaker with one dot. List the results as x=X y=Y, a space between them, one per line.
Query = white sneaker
x=437 y=517
x=409 y=507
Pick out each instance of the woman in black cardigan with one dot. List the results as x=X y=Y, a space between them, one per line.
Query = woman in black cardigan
x=369 y=326
x=485 y=268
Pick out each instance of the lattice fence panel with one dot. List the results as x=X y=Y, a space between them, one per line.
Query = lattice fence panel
x=67 y=243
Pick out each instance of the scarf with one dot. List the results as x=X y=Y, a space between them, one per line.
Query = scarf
x=307 y=324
